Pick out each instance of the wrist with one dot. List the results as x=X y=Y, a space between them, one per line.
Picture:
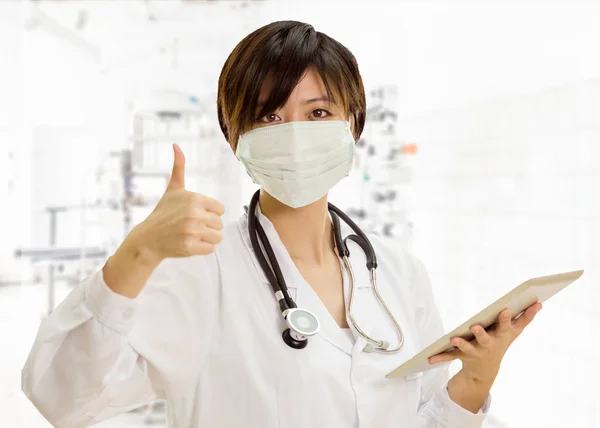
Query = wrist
x=127 y=271
x=141 y=247
x=466 y=381
x=475 y=380
x=468 y=393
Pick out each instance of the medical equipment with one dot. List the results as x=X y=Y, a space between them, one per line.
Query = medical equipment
x=301 y=322
x=56 y=257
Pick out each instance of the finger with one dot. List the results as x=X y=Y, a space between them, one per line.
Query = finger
x=198 y=220
x=482 y=336
x=207 y=203
x=524 y=320
x=212 y=220
x=213 y=205
x=446 y=356
x=201 y=248
x=177 y=180
x=211 y=236
x=464 y=345
x=504 y=322
x=194 y=245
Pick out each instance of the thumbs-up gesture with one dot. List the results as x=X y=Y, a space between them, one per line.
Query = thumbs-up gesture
x=183 y=223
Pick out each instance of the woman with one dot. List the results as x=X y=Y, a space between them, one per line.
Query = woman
x=184 y=309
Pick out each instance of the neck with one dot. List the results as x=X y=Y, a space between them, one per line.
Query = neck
x=306 y=232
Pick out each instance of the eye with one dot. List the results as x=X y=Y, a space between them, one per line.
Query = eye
x=268 y=118
x=320 y=113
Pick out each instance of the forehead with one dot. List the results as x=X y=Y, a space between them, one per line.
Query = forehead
x=309 y=86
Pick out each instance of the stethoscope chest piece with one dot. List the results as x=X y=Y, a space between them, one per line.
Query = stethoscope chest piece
x=302 y=323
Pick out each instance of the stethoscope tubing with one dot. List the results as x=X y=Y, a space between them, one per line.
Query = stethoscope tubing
x=273 y=272
x=277 y=280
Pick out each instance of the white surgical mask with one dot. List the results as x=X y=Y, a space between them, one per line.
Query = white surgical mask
x=297 y=162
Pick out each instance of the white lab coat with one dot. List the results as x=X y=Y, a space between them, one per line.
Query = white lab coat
x=205 y=334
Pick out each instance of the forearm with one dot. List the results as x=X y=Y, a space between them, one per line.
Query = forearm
x=128 y=270
x=468 y=393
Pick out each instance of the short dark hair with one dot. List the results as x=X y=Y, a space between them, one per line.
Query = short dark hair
x=284 y=50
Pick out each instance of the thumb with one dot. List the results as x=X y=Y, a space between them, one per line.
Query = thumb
x=178 y=175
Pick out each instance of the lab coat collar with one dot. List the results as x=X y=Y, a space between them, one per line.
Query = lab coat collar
x=302 y=293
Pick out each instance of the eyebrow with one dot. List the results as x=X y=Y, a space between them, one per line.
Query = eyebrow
x=261 y=103
x=316 y=100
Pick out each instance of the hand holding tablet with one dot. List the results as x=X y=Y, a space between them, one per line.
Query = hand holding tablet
x=516 y=302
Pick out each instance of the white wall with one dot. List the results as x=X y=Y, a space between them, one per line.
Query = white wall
x=443 y=54
x=506 y=191
x=73 y=116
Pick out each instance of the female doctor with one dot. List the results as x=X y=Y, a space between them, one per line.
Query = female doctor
x=252 y=325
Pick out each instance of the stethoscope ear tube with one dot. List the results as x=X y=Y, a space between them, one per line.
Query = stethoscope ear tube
x=365 y=244
x=365 y=247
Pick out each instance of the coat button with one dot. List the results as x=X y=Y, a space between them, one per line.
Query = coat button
x=128 y=313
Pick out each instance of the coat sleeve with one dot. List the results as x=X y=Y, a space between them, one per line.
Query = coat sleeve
x=100 y=354
x=436 y=408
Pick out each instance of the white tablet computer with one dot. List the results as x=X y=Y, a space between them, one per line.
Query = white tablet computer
x=520 y=298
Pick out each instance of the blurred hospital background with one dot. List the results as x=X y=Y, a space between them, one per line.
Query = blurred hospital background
x=481 y=155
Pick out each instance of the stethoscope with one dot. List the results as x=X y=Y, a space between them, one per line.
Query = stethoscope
x=301 y=322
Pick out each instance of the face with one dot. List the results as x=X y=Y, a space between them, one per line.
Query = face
x=307 y=102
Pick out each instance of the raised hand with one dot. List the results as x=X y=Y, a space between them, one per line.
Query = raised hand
x=183 y=223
